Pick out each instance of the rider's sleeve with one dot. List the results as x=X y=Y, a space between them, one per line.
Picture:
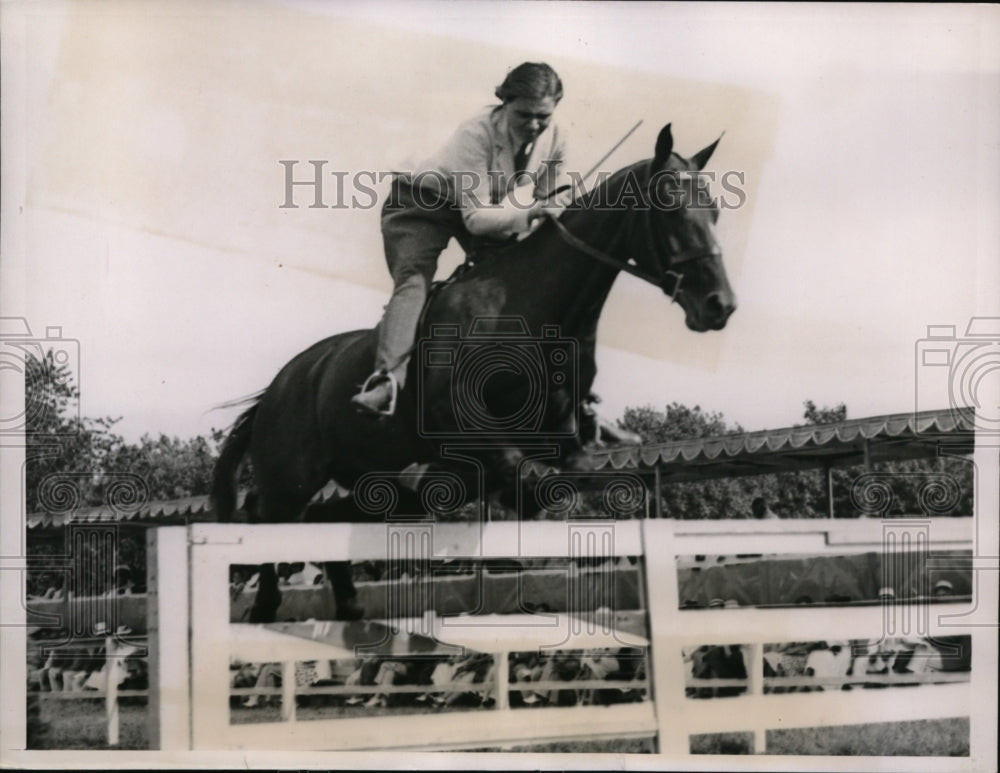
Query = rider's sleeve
x=469 y=154
x=501 y=220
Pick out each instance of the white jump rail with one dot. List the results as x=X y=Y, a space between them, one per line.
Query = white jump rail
x=202 y=721
x=755 y=712
x=192 y=640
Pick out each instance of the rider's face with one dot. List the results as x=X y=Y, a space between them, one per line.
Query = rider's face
x=527 y=118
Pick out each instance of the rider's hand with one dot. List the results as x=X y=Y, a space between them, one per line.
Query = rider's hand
x=535 y=217
x=564 y=197
x=555 y=205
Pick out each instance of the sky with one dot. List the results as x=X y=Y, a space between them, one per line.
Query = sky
x=142 y=186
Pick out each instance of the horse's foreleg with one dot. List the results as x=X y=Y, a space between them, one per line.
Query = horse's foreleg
x=503 y=476
x=345 y=595
x=268 y=599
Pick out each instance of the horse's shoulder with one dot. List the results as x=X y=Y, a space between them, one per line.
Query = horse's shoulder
x=476 y=292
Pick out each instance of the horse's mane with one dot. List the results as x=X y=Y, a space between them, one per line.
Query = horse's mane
x=239 y=402
x=610 y=186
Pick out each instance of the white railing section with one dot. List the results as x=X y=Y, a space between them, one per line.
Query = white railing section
x=192 y=640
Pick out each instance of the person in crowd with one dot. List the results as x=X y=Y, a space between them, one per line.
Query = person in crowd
x=436 y=672
x=241 y=675
x=312 y=673
x=474 y=668
x=363 y=674
x=871 y=658
x=390 y=672
x=124 y=582
x=54 y=590
x=598 y=665
x=761 y=511
x=827 y=661
x=42 y=674
x=774 y=667
x=525 y=668
x=58 y=661
x=304 y=573
x=268 y=676
x=558 y=667
x=717 y=662
x=89 y=661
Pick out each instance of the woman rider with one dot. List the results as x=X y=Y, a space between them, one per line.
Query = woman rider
x=488 y=183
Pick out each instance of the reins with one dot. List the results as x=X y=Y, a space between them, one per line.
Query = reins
x=662 y=278
x=581 y=246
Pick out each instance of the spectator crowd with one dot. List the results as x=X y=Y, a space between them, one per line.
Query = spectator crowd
x=460 y=680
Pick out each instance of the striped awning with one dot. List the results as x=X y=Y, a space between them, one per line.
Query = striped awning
x=896 y=437
x=158 y=513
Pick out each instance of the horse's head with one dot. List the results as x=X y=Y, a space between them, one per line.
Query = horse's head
x=680 y=247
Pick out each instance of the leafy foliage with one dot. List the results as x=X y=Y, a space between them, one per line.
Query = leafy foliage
x=90 y=456
x=942 y=486
x=74 y=462
x=60 y=443
x=675 y=422
x=824 y=415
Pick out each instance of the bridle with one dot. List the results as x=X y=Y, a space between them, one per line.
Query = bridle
x=667 y=277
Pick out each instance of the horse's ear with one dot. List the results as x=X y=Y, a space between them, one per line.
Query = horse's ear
x=700 y=158
x=664 y=146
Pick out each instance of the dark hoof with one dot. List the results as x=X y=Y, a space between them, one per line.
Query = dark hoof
x=350 y=610
x=258 y=615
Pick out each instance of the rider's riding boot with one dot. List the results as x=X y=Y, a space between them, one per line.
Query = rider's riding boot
x=609 y=433
x=378 y=398
x=349 y=609
x=603 y=430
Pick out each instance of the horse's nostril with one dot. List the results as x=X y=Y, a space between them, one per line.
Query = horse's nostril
x=720 y=305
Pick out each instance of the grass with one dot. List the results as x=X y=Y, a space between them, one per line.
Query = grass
x=921 y=738
x=721 y=743
x=81 y=724
x=620 y=746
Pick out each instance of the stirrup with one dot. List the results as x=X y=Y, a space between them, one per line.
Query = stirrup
x=377 y=376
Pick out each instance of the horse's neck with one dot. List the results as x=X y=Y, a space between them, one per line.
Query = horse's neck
x=550 y=281
x=605 y=232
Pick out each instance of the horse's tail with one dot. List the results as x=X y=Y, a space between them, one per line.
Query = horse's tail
x=233 y=450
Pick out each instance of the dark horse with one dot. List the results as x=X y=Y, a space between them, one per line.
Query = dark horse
x=505 y=355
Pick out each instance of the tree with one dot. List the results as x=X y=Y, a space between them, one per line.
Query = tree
x=675 y=422
x=941 y=486
x=824 y=415
x=171 y=468
x=65 y=452
x=74 y=462
x=721 y=498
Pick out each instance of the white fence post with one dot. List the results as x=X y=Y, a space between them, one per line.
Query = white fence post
x=755 y=677
x=206 y=551
x=111 y=690
x=168 y=619
x=288 y=691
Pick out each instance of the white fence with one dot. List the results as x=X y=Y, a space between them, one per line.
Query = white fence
x=109 y=691
x=192 y=639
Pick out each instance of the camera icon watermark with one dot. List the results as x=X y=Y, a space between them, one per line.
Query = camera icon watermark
x=24 y=356
x=498 y=381
x=961 y=372
x=587 y=495
x=418 y=493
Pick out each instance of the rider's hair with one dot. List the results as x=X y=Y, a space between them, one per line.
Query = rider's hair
x=533 y=80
